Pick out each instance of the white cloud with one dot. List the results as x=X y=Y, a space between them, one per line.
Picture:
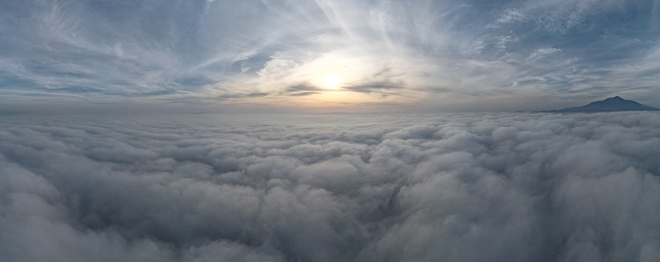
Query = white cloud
x=511 y=16
x=525 y=187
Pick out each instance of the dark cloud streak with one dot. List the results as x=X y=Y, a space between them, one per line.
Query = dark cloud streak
x=378 y=86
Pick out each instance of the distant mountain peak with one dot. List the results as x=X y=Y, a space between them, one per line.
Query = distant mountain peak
x=610 y=104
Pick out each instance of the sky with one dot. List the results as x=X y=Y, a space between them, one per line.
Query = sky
x=296 y=55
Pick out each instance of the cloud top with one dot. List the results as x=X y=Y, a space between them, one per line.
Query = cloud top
x=461 y=187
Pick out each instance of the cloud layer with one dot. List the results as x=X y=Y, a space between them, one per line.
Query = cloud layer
x=461 y=187
x=503 y=55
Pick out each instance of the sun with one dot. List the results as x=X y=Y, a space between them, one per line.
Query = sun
x=331 y=81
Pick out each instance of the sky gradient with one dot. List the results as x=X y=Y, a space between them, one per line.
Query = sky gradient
x=326 y=55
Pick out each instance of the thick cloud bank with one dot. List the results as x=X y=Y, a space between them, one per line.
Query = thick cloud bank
x=494 y=187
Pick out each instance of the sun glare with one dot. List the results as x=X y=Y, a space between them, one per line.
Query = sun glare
x=331 y=81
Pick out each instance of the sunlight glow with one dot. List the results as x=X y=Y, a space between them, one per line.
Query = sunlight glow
x=331 y=81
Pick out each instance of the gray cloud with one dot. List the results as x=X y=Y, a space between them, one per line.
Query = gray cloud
x=302 y=87
x=243 y=95
x=304 y=93
x=526 y=187
x=302 y=90
x=378 y=87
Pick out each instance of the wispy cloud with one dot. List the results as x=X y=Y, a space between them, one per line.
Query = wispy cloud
x=113 y=50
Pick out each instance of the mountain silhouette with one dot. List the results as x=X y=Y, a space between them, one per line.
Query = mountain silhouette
x=612 y=104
